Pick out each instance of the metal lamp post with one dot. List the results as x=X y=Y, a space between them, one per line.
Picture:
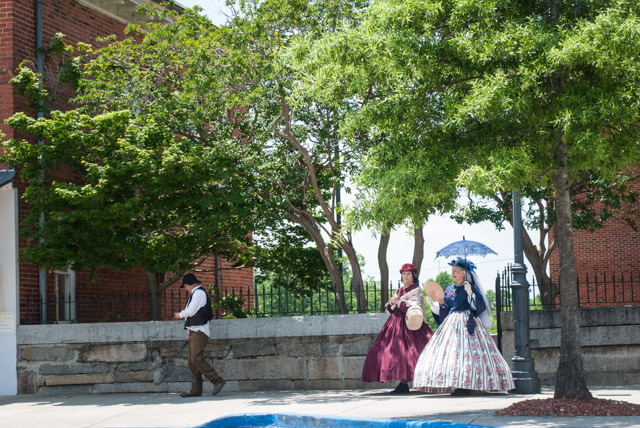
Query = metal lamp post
x=524 y=373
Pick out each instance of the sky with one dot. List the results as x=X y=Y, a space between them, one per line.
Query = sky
x=213 y=9
x=438 y=232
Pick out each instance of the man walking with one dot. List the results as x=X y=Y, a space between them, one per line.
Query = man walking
x=197 y=314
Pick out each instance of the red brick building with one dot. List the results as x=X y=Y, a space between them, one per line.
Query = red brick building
x=607 y=262
x=22 y=24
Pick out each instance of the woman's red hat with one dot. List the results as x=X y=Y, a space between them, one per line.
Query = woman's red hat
x=408 y=267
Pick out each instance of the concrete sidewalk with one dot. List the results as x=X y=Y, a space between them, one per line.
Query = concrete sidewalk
x=170 y=410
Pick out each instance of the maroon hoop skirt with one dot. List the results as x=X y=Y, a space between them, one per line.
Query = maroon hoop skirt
x=395 y=352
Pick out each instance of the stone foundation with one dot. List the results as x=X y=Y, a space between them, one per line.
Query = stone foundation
x=610 y=338
x=297 y=353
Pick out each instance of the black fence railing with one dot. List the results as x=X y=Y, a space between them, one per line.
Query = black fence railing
x=593 y=290
x=260 y=301
x=239 y=303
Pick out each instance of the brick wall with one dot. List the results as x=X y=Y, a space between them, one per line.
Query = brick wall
x=17 y=43
x=611 y=250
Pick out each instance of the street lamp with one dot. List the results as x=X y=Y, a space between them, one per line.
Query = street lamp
x=524 y=373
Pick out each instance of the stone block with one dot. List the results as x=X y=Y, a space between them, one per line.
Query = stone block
x=175 y=374
x=176 y=387
x=26 y=381
x=254 y=348
x=330 y=347
x=115 y=352
x=138 y=387
x=215 y=349
x=610 y=335
x=605 y=316
x=132 y=367
x=610 y=359
x=65 y=390
x=545 y=360
x=357 y=345
x=66 y=369
x=171 y=349
x=78 y=379
x=134 y=376
x=543 y=338
x=45 y=353
x=258 y=369
x=352 y=367
x=297 y=347
x=324 y=368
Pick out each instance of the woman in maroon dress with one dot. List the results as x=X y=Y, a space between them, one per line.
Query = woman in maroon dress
x=397 y=348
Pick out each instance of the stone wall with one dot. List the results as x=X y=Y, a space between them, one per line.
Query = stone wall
x=610 y=338
x=296 y=353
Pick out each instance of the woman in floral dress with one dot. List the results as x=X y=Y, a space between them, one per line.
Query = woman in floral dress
x=461 y=356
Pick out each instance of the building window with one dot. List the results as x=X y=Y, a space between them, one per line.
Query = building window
x=65 y=287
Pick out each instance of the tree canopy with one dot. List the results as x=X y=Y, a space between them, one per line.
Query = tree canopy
x=497 y=95
x=202 y=105
x=145 y=170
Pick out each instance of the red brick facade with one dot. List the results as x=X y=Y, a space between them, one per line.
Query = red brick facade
x=79 y=23
x=608 y=255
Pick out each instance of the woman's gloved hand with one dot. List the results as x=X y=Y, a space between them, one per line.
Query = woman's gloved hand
x=467 y=288
x=435 y=306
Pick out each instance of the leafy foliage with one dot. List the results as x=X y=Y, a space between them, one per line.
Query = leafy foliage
x=284 y=257
x=145 y=171
x=496 y=96
x=230 y=305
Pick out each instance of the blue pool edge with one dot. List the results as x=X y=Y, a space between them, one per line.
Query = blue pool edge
x=293 y=420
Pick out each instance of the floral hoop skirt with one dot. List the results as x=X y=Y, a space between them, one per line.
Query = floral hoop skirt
x=453 y=359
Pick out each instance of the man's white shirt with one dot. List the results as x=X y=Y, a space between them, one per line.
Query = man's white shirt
x=198 y=300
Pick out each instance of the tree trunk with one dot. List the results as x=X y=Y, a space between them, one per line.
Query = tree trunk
x=158 y=283
x=384 y=270
x=156 y=292
x=418 y=248
x=538 y=257
x=306 y=220
x=326 y=252
x=356 y=276
x=570 y=382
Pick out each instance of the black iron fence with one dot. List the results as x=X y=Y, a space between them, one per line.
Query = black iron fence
x=593 y=290
x=260 y=301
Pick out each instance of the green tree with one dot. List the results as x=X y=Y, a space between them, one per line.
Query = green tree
x=143 y=172
x=510 y=94
x=285 y=256
x=444 y=279
x=303 y=162
x=349 y=70
x=593 y=202
x=209 y=86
